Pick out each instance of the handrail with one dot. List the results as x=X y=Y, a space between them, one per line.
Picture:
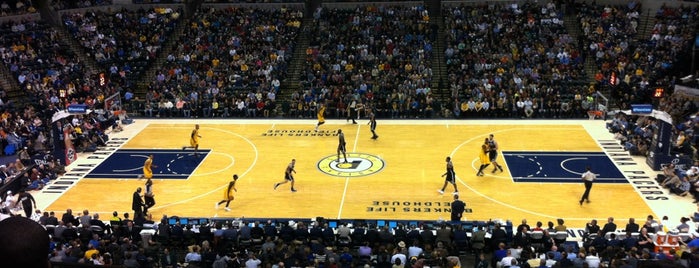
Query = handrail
x=14 y=183
x=605 y=103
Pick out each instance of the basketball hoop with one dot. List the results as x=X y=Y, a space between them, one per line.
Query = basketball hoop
x=592 y=114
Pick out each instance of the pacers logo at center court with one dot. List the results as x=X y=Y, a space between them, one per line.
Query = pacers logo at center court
x=357 y=165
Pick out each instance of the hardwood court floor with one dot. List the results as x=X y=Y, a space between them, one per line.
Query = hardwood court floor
x=413 y=153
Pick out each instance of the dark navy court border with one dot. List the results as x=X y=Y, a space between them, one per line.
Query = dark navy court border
x=560 y=167
x=128 y=164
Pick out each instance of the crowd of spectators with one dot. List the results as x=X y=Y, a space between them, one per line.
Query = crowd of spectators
x=610 y=34
x=673 y=31
x=241 y=1
x=679 y=178
x=632 y=63
x=53 y=78
x=377 y=56
x=33 y=55
x=636 y=135
x=515 y=61
x=16 y=7
x=67 y=4
x=21 y=130
x=539 y=74
x=124 y=42
x=158 y=1
x=230 y=65
x=139 y=241
x=607 y=245
x=42 y=63
x=536 y=74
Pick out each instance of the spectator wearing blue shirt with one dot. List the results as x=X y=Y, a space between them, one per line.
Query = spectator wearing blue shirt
x=630 y=241
x=193 y=256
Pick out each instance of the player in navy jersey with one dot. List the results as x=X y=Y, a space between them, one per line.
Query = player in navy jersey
x=493 y=153
x=341 y=146
x=288 y=176
x=450 y=177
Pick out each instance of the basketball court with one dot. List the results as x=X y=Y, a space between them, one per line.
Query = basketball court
x=395 y=177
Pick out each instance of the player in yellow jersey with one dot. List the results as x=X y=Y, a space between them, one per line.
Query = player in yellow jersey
x=321 y=115
x=194 y=140
x=228 y=195
x=484 y=157
x=147 y=168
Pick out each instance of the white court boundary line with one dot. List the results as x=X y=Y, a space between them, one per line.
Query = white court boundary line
x=257 y=154
x=141 y=123
x=45 y=200
x=482 y=136
x=347 y=179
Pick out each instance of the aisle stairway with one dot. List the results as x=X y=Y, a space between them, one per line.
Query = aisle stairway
x=645 y=25
x=440 y=75
x=570 y=21
x=149 y=75
x=143 y=82
x=574 y=29
x=9 y=84
x=85 y=57
x=298 y=60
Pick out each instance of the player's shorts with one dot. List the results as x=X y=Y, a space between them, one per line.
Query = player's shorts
x=341 y=147
x=228 y=196
x=288 y=177
x=493 y=155
x=451 y=177
x=193 y=142
x=148 y=174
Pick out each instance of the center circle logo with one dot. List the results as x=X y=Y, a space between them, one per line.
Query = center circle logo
x=357 y=165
